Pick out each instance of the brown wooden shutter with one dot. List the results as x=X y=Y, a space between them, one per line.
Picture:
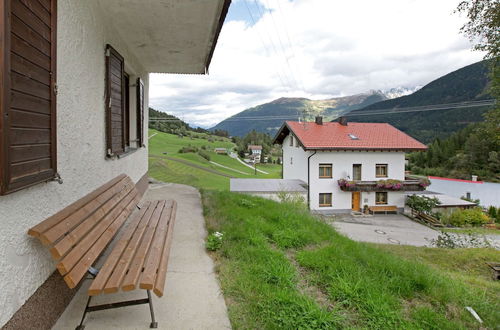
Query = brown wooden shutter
x=115 y=102
x=140 y=113
x=28 y=152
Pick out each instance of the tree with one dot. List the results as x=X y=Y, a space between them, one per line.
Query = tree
x=482 y=28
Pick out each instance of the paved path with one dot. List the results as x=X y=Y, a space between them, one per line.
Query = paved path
x=152 y=136
x=235 y=156
x=192 y=299
x=385 y=229
x=228 y=168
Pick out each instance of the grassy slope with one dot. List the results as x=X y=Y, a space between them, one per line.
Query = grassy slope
x=172 y=171
x=282 y=268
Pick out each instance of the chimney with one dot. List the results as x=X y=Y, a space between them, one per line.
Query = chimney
x=343 y=121
x=319 y=120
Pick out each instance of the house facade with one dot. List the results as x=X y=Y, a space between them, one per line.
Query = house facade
x=73 y=115
x=255 y=152
x=348 y=166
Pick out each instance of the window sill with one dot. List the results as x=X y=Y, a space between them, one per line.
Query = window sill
x=326 y=177
x=380 y=203
x=129 y=152
x=325 y=205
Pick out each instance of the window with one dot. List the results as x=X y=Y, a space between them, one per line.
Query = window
x=381 y=198
x=325 y=199
x=296 y=142
x=325 y=171
x=291 y=160
x=28 y=152
x=291 y=140
x=356 y=172
x=381 y=170
x=118 y=107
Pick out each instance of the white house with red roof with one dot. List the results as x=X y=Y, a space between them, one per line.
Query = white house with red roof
x=348 y=166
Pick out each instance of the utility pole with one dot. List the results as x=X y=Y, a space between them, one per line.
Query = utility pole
x=255 y=166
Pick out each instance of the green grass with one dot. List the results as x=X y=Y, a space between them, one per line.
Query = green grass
x=280 y=267
x=167 y=170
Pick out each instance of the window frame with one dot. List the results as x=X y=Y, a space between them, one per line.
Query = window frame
x=140 y=112
x=325 y=195
x=291 y=140
x=327 y=166
x=383 y=193
x=360 y=166
x=377 y=166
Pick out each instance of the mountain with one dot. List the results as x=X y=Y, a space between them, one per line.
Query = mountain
x=392 y=93
x=269 y=117
x=469 y=83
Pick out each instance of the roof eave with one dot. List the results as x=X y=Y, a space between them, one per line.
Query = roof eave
x=222 y=18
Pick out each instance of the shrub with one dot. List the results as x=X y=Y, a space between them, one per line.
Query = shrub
x=421 y=203
x=469 y=217
x=204 y=154
x=185 y=150
x=214 y=241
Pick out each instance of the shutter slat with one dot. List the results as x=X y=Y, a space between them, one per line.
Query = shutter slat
x=115 y=102
x=27 y=112
x=140 y=112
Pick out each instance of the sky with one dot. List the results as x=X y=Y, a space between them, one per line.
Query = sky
x=317 y=49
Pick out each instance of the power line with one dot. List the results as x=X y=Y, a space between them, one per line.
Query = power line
x=281 y=44
x=263 y=43
x=434 y=107
x=446 y=106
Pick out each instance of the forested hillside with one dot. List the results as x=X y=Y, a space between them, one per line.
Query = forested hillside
x=469 y=83
x=474 y=150
x=269 y=117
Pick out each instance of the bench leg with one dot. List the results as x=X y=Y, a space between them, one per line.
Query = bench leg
x=81 y=326
x=154 y=324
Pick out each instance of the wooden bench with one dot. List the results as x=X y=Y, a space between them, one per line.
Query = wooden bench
x=385 y=209
x=79 y=234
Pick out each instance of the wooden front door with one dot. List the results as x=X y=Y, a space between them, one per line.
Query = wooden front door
x=356 y=198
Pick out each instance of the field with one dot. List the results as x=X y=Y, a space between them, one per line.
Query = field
x=280 y=267
x=168 y=165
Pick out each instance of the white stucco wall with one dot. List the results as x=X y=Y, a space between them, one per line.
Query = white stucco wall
x=294 y=161
x=342 y=162
x=82 y=36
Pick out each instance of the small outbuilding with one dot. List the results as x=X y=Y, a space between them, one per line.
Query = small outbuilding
x=269 y=188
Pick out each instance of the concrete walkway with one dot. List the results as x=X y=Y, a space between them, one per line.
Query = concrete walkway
x=385 y=229
x=192 y=299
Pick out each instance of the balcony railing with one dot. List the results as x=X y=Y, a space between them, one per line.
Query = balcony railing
x=408 y=184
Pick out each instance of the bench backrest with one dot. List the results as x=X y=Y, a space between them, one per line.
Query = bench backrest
x=78 y=234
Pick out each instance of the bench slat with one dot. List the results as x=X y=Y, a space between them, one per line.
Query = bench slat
x=123 y=266
x=78 y=233
x=162 y=269
x=56 y=232
x=61 y=215
x=76 y=253
x=113 y=271
x=148 y=276
x=97 y=285
x=79 y=271
x=129 y=283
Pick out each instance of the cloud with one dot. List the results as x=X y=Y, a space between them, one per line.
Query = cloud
x=317 y=49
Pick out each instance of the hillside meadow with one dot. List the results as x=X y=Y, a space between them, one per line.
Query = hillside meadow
x=167 y=164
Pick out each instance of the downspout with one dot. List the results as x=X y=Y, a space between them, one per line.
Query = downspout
x=308 y=181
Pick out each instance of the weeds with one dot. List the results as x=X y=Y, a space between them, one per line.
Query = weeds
x=366 y=287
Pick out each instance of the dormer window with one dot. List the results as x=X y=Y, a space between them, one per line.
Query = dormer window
x=353 y=137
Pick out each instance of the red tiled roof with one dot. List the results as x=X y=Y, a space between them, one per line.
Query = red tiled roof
x=332 y=135
x=254 y=147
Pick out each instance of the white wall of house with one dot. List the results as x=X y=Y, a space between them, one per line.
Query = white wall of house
x=342 y=167
x=82 y=36
x=294 y=160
